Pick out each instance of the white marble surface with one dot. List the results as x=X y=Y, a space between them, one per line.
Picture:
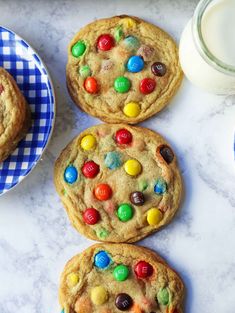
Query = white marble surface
x=36 y=238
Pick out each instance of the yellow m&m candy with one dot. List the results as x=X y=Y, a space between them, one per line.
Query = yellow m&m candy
x=73 y=279
x=154 y=216
x=129 y=22
x=132 y=167
x=131 y=109
x=88 y=142
x=99 y=295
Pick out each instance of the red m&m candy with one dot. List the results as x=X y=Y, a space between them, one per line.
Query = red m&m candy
x=91 y=85
x=90 y=169
x=1 y=88
x=143 y=269
x=105 y=42
x=123 y=137
x=147 y=85
x=91 y=216
x=103 y=192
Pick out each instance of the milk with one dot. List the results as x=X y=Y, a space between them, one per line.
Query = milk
x=218 y=32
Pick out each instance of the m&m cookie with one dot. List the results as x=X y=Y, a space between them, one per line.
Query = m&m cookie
x=111 y=278
x=15 y=116
x=118 y=183
x=122 y=69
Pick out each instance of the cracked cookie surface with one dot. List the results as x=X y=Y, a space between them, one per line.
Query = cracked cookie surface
x=111 y=278
x=122 y=69
x=15 y=114
x=118 y=183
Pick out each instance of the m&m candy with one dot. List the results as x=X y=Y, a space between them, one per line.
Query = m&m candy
x=132 y=167
x=143 y=269
x=105 y=42
x=123 y=137
x=118 y=33
x=88 y=142
x=137 y=198
x=102 y=260
x=163 y=296
x=158 y=69
x=78 y=49
x=123 y=302
x=90 y=169
x=131 y=109
x=85 y=71
x=125 y=212
x=112 y=160
x=91 y=85
x=1 y=88
x=147 y=85
x=146 y=52
x=91 y=216
x=99 y=295
x=154 y=216
x=167 y=154
x=73 y=279
x=160 y=187
x=135 y=64
x=131 y=43
x=121 y=272
x=122 y=84
x=103 y=192
x=70 y=174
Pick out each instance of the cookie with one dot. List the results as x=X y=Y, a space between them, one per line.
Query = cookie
x=122 y=69
x=118 y=183
x=110 y=278
x=15 y=117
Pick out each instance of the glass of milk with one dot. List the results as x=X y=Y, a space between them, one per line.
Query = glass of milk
x=207 y=46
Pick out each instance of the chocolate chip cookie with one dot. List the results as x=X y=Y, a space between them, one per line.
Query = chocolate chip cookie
x=122 y=69
x=118 y=183
x=15 y=117
x=110 y=278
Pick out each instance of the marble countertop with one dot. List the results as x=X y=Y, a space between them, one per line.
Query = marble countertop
x=36 y=238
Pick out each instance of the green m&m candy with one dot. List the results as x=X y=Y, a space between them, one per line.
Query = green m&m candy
x=125 y=212
x=122 y=84
x=85 y=71
x=118 y=33
x=78 y=49
x=163 y=296
x=121 y=272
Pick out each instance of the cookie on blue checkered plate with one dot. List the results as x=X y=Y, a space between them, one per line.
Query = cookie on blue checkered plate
x=15 y=116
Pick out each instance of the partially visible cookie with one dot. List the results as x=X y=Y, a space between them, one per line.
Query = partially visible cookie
x=118 y=183
x=111 y=278
x=122 y=69
x=15 y=116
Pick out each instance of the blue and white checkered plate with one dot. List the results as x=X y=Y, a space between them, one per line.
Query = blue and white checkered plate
x=22 y=62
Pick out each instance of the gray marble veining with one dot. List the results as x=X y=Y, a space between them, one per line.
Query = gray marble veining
x=36 y=238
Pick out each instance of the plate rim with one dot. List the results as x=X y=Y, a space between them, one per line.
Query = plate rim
x=54 y=107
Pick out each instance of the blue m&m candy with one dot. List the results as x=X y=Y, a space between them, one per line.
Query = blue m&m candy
x=135 y=64
x=112 y=160
x=70 y=174
x=102 y=260
x=160 y=187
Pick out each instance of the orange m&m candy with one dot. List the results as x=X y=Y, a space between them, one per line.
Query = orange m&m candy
x=103 y=192
x=91 y=85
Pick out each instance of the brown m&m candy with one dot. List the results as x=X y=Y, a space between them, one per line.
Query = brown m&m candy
x=158 y=69
x=123 y=301
x=137 y=198
x=167 y=154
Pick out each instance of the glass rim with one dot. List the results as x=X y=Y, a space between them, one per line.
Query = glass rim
x=201 y=46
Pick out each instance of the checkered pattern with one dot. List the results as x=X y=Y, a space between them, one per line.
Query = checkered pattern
x=19 y=59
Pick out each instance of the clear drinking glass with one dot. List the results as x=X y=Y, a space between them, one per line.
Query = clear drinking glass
x=199 y=64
